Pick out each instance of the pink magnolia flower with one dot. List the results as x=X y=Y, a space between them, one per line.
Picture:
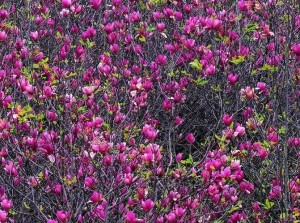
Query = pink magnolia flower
x=226 y=172
x=96 y=196
x=48 y=92
x=294 y=142
x=51 y=116
x=130 y=217
x=214 y=24
x=89 y=182
x=160 y=27
x=167 y=104
x=95 y=4
x=161 y=59
x=246 y=187
x=261 y=86
x=189 y=43
x=6 y=204
x=179 y=157
x=149 y=132
x=239 y=131
x=148 y=157
x=114 y=48
x=157 y=15
x=262 y=153
x=98 y=122
x=34 y=35
x=57 y=189
x=88 y=90
x=147 y=205
x=275 y=192
x=296 y=49
x=238 y=175
x=178 y=120
x=128 y=178
x=235 y=164
x=4 y=14
x=210 y=70
x=10 y=168
x=179 y=211
x=205 y=175
x=242 y=5
x=248 y=92
x=62 y=215
x=227 y=119
x=171 y=217
x=178 y=16
x=237 y=217
x=273 y=137
x=66 y=3
x=3 y=216
x=3 y=36
x=232 y=78
x=135 y=16
x=168 y=12
x=107 y=160
x=190 y=138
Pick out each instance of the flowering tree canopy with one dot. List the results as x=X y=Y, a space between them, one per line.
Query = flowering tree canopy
x=149 y=111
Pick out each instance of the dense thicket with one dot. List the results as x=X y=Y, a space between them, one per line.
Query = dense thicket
x=149 y=111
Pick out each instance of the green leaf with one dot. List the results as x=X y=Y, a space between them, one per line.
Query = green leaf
x=91 y=44
x=200 y=81
x=150 y=28
x=251 y=27
x=282 y=130
x=35 y=66
x=44 y=61
x=269 y=204
x=196 y=65
x=81 y=109
x=280 y=3
x=9 y=106
x=188 y=161
x=26 y=205
x=235 y=207
x=142 y=39
x=237 y=60
x=60 y=108
x=106 y=125
x=269 y=68
x=71 y=75
x=218 y=138
x=40 y=117
x=27 y=108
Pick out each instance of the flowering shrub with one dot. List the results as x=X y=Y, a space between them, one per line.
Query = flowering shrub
x=149 y=111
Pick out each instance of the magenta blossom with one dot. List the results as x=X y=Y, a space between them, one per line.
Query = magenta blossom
x=63 y=215
x=296 y=49
x=130 y=217
x=3 y=216
x=95 y=4
x=66 y=3
x=6 y=204
x=147 y=205
x=190 y=138
x=232 y=78
x=227 y=119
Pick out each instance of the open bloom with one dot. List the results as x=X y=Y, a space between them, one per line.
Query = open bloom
x=296 y=49
x=63 y=215
x=66 y=3
x=147 y=205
